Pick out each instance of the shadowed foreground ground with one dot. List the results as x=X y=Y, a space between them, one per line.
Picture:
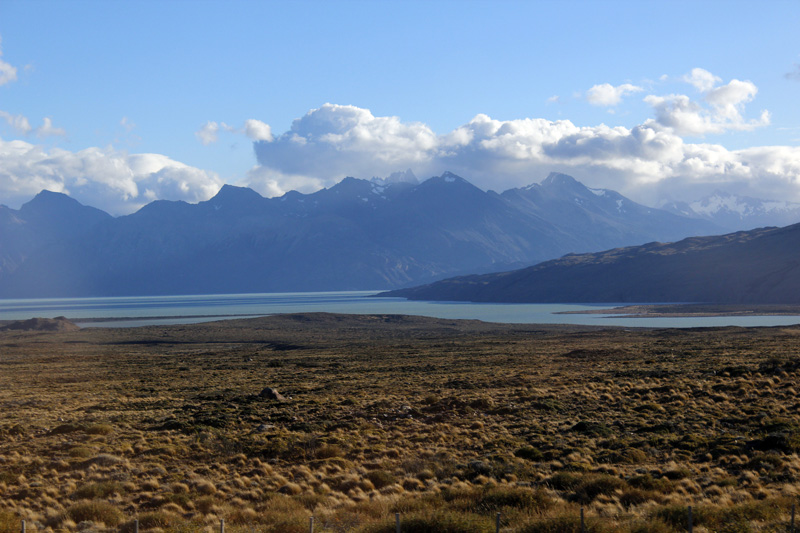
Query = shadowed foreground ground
x=448 y=422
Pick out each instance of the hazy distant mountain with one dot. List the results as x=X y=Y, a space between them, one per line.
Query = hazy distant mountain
x=358 y=234
x=734 y=212
x=48 y=219
x=602 y=217
x=758 y=266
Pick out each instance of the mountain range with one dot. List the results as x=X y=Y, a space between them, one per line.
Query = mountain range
x=757 y=266
x=734 y=213
x=358 y=234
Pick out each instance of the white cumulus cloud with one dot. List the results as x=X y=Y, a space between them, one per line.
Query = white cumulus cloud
x=722 y=107
x=18 y=122
x=338 y=140
x=257 y=130
x=208 y=133
x=106 y=178
x=48 y=130
x=8 y=72
x=607 y=95
x=702 y=79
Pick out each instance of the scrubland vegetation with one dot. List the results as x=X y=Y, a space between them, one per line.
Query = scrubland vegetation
x=446 y=422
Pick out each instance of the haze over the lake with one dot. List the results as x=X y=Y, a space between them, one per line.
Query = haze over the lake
x=121 y=103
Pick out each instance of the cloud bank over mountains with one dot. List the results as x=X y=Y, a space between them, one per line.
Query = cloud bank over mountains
x=110 y=179
x=663 y=157
x=649 y=162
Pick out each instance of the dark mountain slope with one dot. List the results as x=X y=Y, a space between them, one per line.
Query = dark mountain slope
x=758 y=266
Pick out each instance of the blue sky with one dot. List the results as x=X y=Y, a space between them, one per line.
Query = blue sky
x=119 y=103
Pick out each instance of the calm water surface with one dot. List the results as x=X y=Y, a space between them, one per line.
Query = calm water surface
x=140 y=311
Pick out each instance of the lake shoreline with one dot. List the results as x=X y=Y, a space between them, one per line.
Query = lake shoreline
x=679 y=310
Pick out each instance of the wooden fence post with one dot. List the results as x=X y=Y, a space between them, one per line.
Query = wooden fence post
x=221 y=525
x=311 y=524
x=793 y=509
x=583 y=523
x=136 y=525
x=690 y=519
x=23 y=526
x=397 y=522
x=497 y=527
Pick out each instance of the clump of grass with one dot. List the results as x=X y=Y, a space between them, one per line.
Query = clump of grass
x=733 y=518
x=501 y=497
x=159 y=519
x=530 y=453
x=632 y=496
x=564 y=524
x=291 y=489
x=81 y=452
x=328 y=451
x=95 y=511
x=564 y=480
x=9 y=522
x=63 y=429
x=104 y=459
x=381 y=478
x=100 y=429
x=439 y=521
x=98 y=490
x=593 y=485
x=283 y=514
x=651 y=526
x=205 y=487
x=648 y=482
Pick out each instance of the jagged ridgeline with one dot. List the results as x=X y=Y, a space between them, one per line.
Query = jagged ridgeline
x=359 y=234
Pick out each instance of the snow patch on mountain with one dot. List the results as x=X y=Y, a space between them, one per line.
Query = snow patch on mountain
x=742 y=205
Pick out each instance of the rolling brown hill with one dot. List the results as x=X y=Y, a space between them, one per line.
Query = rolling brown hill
x=758 y=266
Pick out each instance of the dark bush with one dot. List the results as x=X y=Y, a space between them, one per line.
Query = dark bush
x=530 y=453
x=593 y=429
x=381 y=478
x=594 y=485
x=564 y=480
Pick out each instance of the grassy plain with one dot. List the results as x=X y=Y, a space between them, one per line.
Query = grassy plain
x=447 y=422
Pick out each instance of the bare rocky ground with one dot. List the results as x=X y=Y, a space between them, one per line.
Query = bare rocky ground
x=447 y=422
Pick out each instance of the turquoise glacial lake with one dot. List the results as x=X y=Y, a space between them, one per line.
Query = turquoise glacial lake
x=135 y=311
